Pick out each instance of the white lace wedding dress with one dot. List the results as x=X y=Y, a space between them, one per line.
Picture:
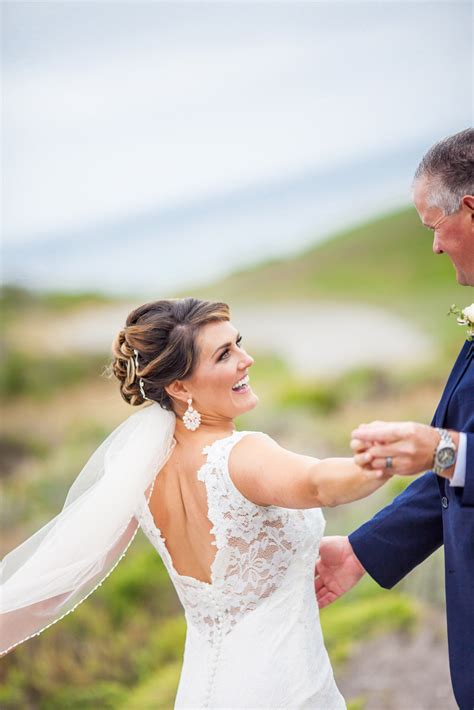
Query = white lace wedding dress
x=253 y=635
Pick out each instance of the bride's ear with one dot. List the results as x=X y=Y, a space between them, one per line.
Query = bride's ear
x=178 y=390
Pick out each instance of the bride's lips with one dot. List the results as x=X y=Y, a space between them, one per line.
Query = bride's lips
x=243 y=390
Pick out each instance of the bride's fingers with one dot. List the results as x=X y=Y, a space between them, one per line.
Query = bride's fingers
x=358 y=446
x=378 y=473
x=364 y=459
x=383 y=473
x=376 y=456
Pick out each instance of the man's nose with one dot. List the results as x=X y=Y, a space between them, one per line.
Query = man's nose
x=436 y=245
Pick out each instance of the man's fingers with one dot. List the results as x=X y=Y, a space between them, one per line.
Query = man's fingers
x=325 y=599
x=386 y=433
x=381 y=435
x=381 y=452
x=319 y=584
x=376 y=456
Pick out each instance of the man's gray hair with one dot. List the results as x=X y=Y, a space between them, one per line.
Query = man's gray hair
x=448 y=167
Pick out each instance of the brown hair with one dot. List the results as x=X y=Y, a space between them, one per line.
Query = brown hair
x=164 y=333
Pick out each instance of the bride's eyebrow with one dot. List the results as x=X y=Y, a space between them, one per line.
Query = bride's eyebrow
x=226 y=345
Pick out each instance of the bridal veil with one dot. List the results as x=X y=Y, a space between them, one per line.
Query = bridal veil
x=48 y=575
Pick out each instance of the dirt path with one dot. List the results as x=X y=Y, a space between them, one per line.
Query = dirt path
x=316 y=339
x=402 y=671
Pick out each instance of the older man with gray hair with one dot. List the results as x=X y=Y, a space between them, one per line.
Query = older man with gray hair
x=438 y=507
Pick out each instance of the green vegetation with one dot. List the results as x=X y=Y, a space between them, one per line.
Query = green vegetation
x=14 y=298
x=112 y=644
x=157 y=693
x=357 y=704
x=386 y=262
x=39 y=376
x=330 y=394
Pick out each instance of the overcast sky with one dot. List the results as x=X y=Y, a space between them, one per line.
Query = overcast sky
x=110 y=109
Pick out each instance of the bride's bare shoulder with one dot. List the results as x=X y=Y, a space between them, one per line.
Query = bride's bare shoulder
x=251 y=447
x=256 y=449
x=267 y=473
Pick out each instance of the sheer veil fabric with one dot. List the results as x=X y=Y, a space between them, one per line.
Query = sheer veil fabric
x=54 y=570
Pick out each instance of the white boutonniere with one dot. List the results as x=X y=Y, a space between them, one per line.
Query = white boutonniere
x=464 y=316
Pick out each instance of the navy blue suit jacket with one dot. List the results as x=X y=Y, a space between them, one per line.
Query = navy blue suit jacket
x=430 y=513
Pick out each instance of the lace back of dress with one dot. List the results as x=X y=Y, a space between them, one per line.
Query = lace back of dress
x=255 y=544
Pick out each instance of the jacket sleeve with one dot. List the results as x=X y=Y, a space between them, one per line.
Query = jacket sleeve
x=404 y=533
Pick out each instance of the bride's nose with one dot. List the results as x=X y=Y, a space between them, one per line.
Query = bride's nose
x=247 y=361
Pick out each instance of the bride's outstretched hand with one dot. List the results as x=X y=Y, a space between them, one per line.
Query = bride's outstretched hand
x=337 y=569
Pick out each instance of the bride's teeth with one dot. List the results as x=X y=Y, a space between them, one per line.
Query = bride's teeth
x=241 y=382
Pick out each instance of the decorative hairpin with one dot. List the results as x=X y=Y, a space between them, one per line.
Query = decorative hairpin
x=140 y=381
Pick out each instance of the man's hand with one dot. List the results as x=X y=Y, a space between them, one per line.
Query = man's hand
x=337 y=569
x=409 y=445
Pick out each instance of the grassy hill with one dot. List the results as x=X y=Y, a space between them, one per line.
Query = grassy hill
x=387 y=262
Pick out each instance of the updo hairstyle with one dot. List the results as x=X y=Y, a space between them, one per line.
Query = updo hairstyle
x=164 y=333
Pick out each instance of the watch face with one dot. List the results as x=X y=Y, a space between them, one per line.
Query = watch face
x=446 y=457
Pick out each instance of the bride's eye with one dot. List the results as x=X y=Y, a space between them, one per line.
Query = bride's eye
x=226 y=351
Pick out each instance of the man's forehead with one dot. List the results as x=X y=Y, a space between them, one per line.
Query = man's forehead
x=421 y=189
x=428 y=214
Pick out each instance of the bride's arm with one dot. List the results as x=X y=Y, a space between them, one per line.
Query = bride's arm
x=268 y=474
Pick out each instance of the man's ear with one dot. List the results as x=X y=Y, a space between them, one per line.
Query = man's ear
x=178 y=390
x=468 y=201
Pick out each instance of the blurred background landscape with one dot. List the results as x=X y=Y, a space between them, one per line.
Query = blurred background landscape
x=256 y=153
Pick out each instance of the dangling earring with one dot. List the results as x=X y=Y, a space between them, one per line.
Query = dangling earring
x=191 y=417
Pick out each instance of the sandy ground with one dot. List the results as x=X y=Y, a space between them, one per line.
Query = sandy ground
x=316 y=339
x=402 y=671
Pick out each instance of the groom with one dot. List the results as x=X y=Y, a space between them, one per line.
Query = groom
x=438 y=507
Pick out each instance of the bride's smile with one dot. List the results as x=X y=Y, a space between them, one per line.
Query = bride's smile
x=219 y=386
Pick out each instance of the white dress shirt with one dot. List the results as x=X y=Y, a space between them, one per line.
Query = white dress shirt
x=459 y=475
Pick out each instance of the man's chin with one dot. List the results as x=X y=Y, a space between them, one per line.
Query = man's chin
x=464 y=279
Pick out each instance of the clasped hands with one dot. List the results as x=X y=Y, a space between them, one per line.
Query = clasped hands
x=402 y=448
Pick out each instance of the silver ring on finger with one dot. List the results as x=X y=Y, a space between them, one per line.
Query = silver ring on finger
x=388 y=462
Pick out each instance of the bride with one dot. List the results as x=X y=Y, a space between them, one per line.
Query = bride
x=235 y=517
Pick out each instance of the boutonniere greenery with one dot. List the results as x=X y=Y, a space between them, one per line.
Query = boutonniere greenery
x=464 y=316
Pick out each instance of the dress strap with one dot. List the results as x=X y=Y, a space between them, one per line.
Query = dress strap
x=225 y=501
x=217 y=458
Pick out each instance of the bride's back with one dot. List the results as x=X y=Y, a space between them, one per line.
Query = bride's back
x=179 y=508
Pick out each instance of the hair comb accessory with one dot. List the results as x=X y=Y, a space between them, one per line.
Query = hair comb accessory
x=140 y=381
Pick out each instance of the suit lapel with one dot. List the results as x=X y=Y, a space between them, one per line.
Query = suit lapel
x=470 y=352
x=460 y=367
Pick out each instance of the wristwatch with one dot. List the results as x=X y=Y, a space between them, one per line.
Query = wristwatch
x=445 y=452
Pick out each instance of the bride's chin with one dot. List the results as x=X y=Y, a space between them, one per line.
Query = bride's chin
x=252 y=403
x=245 y=403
